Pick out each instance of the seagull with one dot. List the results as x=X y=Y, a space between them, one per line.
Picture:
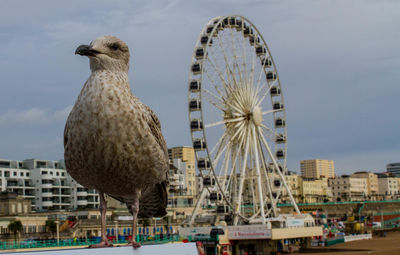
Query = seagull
x=112 y=141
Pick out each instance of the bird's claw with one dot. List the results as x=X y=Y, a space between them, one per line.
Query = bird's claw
x=134 y=244
x=102 y=244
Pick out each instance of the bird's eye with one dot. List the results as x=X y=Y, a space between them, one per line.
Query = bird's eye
x=114 y=46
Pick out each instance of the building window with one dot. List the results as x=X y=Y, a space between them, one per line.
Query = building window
x=14 y=173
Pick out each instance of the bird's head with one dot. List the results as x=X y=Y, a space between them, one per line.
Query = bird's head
x=106 y=53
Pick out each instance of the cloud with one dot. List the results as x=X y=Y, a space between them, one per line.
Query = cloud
x=34 y=116
x=338 y=62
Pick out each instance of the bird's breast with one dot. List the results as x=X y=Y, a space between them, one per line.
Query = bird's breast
x=108 y=139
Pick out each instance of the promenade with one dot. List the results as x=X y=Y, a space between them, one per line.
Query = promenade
x=388 y=245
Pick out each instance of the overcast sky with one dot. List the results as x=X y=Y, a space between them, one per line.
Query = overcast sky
x=338 y=62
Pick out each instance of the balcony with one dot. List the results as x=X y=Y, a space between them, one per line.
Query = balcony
x=47 y=203
x=14 y=185
x=47 y=176
x=61 y=203
x=61 y=186
x=82 y=202
x=82 y=193
x=47 y=185
x=47 y=194
x=64 y=194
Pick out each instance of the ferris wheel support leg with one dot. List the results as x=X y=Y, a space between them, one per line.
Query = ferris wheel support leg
x=196 y=208
x=242 y=177
x=260 y=193
x=280 y=175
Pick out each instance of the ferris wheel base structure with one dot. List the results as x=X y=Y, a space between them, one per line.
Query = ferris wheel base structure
x=238 y=123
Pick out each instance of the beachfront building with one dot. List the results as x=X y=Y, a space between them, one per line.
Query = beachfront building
x=315 y=190
x=393 y=168
x=388 y=186
x=46 y=184
x=372 y=183
x=347 y=188
x=317 y=168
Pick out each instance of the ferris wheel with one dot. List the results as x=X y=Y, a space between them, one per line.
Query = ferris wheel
x=238 y=123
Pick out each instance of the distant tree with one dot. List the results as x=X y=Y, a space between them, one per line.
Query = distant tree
x=51 y=226
x=15 y=227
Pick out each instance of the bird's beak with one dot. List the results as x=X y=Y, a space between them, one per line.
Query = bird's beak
x=86 y=50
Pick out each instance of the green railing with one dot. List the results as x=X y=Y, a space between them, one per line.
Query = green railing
x=343 y=203
x=31 y=244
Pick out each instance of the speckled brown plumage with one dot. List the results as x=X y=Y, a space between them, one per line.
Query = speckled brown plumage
x=112 y=141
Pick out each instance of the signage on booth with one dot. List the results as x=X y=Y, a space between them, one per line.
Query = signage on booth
x=249 y=232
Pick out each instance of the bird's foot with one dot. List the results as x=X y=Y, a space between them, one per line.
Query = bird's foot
x=102 y=244
x=134 y=244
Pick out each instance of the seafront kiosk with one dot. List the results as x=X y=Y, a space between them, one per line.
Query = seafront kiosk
x=271 y=237
x=275 y=235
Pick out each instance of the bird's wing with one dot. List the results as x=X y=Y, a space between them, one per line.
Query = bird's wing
x=155 y=127
x=152 y=203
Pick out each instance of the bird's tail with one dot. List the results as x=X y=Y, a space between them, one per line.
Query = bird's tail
x=153 y=202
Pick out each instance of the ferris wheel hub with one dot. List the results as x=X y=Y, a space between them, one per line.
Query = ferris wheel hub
x=257 y=116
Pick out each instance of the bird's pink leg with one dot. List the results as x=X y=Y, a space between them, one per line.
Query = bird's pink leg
x=135 y=211
x=102 y=208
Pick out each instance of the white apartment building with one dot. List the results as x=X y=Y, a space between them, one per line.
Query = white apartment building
x=46 y=183
x=388 y=186
x=372 y=183
x=346 y=188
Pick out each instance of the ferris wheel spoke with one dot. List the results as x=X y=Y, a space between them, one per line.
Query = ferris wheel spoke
x=280 y=173
x=259 y=90
x=269 y=132
x=253 y=65
x=242 y=178
x=246 y=78
x=259 y=185
x=221 y=150
x=264 y=95
x=226 y=59
x=266 y=178
x=235 y=160
x=223 y=122
x=270 y=111
x=220 y=94
x=223 y=137
x=220 y=74
x=210 y=98
x=235 y=56
x=223 y=174
x=257 y=87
